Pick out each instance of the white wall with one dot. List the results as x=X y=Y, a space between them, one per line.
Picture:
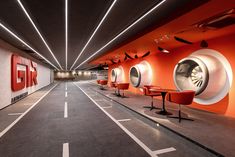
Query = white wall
x=43 y=77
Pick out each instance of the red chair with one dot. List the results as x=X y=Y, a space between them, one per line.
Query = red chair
x=103 y=83
x=181 y=98
x=123 y=86
x=114 y=85
x=147 y=92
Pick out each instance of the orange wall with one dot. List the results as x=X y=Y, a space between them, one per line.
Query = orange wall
x=163 y=66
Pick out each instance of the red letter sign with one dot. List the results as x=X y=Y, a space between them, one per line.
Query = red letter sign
x=21 y=77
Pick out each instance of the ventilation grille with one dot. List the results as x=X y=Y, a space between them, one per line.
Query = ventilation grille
x=197 y=76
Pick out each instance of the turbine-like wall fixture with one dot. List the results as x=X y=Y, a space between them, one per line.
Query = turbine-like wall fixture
x=117 y=74
x=141 y=74
x=207 y=72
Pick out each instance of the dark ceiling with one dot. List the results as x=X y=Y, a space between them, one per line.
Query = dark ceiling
x=83 y=18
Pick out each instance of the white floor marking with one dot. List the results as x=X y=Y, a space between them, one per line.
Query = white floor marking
x=99 y=100
x=140 y=143
x=107 y=107
x=65 y=110
x=123 y=120
x=65 y=149
x=162 y=151
x=21 y=116
x=14 y=114
x=66 y=94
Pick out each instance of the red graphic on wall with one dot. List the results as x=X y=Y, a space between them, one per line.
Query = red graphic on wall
x=23 y=73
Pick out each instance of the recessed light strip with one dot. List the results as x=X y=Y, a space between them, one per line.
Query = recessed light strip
x=125 y=30
x=66 y=34
x=22 y=41
x=106 y=14
x=35 y=27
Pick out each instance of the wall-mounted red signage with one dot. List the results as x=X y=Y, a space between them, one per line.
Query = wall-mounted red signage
x=23 y=73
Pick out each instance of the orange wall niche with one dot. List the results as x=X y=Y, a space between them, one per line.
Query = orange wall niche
x=163 y=66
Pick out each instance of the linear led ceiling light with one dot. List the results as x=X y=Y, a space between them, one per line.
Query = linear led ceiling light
x=125 y=30
x=22 y=41
x=66 y=34
x=35 y=27
x=106 y=14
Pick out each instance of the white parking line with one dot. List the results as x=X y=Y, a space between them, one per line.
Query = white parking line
x=123 y=120
x=107 y=107
x=140 y=143
x=65 y=150
x=65 y=110
x=21 y=116
x=66 y=94
x=14 y=114
x=166 y=150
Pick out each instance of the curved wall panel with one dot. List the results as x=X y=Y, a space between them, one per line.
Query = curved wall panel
x=207 y=72
x=117 y=74
x=140 y=74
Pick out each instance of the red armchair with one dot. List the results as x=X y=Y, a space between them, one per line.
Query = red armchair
x=148 y=92
x=114 y=85
x=102 y=83
x=181 y=98
x=123 y=86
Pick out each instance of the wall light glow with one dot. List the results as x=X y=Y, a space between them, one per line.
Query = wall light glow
x=23 y=42
x=35 y=27
x=124 y=31
x=106 y=14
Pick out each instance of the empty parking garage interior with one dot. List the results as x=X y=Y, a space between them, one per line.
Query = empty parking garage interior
x=117 y=78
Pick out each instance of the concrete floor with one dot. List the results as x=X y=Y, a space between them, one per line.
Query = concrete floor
x=75 y=120
x=209 y=130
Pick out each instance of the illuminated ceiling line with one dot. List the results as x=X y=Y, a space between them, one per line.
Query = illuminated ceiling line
x=125 y=30
x=35 y=27
x=22 y=41
x=66 y=34
x=93 y=34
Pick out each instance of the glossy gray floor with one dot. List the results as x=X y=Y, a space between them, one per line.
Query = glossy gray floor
x=73 y=120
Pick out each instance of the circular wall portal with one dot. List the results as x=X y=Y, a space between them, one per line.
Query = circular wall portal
x=207 y=72
x=117 y=74
x=141 y=74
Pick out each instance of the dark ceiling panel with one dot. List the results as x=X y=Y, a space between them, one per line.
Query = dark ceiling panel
x=14 y=19
x=49 y=16
x=83 y=17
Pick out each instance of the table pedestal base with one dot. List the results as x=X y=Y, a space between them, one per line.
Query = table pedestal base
x=164 y=112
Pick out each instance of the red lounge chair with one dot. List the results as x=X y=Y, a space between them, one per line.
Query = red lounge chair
x=123 y=86
x=114 y=85
x=103 y=83
x=148 y=92
x=181 y=98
